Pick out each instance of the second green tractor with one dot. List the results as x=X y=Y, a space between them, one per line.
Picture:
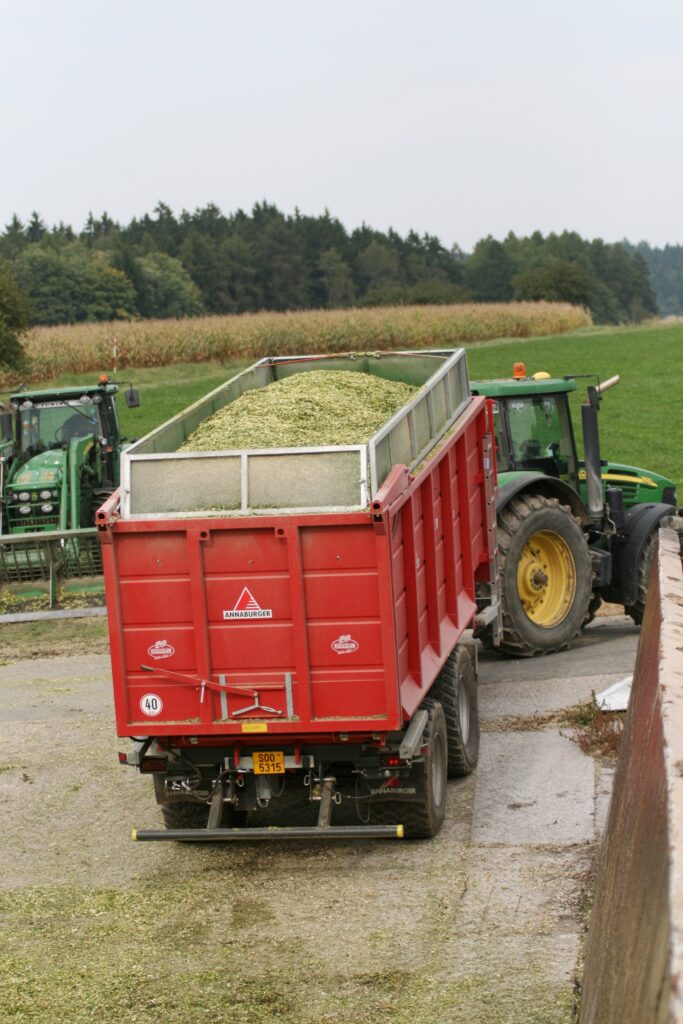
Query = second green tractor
x=571 y=532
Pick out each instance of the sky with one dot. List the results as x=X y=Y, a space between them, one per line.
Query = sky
x=460 y=119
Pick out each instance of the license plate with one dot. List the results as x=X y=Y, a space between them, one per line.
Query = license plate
x=269 y=762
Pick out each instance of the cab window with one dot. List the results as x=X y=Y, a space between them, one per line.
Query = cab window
x=540 y=435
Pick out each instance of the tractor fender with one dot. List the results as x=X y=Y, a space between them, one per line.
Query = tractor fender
x=627 y=548
x=548 y=486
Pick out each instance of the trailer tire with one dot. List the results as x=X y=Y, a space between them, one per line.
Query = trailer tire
x=185 y=814
x=637 y=610
x=456 y=690
x=425 y=817
x=542 y=611
x=423 y=814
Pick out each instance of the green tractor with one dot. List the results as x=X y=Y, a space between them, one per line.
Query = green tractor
x=59 y=460
x=571 y=533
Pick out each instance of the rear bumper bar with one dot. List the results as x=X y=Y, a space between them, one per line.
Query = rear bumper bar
x=227 y=835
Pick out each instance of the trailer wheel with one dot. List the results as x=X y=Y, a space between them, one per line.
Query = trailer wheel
x=421 y=814
x=546 y=576
x=456 y=690
x=637 y=610
x=184 y=814
x=425 y=817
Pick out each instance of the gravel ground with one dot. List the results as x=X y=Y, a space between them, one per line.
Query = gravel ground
x=480 y=925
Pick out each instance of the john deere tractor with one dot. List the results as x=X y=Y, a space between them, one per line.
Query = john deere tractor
x=571 y=532
x=59 y=459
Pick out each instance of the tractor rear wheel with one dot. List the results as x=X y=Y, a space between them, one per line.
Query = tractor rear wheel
x=546 y=575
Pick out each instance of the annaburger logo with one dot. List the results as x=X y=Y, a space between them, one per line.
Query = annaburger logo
x=345 y=644
x=247 y=607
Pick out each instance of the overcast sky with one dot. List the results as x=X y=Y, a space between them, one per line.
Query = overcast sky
x=456 y=117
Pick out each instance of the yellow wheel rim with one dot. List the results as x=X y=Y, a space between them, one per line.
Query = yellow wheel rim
x=546 y=578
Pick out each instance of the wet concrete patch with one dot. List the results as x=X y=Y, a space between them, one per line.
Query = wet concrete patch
x=533 y=788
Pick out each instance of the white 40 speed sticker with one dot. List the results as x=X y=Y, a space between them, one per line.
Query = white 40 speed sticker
x=151 y=705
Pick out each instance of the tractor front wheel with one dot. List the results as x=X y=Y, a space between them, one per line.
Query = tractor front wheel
x=546 y=576
x=637 y=610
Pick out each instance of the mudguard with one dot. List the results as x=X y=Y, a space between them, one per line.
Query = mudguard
x=548 y=486
x=627 y=549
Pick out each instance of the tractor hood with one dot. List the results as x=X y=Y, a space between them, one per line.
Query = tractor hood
x=637 y=485
x=44 y=470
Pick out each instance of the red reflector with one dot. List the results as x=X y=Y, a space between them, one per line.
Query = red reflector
x=153 y=764
x=123 y=758
x=392 y=783
x=391 y=760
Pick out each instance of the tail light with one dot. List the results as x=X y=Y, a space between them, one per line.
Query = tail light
x=392 y=761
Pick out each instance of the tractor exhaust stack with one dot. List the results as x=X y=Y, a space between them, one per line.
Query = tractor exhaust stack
x=591 y=447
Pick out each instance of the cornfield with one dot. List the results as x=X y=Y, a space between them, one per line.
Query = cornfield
x=81 y=348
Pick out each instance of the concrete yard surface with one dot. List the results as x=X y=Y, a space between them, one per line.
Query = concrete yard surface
x=480 y=925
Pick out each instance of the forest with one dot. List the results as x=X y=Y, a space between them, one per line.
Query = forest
x=208 y=262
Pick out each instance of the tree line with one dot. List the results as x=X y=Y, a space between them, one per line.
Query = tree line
x=168 y=265
x=666 y=273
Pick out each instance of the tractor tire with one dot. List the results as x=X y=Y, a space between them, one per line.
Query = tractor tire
x=637 y=610
x=422 y=815
x=456 y=690
x=546 y=576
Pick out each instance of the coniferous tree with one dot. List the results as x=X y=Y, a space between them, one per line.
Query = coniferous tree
x=14 y=315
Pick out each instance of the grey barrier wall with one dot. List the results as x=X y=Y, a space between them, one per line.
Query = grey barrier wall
x=634 y=951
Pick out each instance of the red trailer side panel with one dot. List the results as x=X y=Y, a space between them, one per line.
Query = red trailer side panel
x=300 y=625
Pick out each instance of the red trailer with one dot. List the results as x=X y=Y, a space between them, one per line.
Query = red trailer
x=255 y=653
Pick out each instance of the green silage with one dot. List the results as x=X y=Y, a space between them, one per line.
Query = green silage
x=318 y=407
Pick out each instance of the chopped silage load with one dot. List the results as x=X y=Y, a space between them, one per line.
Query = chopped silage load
x=318 y=407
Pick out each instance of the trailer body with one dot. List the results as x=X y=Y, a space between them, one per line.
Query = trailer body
x=313 y=637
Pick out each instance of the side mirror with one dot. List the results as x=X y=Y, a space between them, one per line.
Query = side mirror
x=6 y=426
x=132 y=398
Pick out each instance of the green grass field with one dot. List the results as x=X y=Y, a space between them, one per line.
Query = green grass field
x=641 y=419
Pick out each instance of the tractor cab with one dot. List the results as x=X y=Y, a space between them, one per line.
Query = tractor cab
x=533 y=427
x=61 y=455
x=534 y=433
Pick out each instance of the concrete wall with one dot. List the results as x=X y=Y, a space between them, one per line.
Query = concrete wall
x=634 y=954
